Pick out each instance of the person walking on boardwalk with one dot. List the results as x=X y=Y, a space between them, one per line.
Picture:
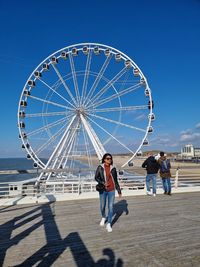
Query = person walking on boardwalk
x=165 y=173
x=152 y=167
x=106 y=176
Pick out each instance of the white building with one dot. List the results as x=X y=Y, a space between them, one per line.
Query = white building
x=197 y=152
x=189 y=152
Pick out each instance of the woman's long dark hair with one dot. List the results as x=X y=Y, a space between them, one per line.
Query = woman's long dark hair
x=105 y=156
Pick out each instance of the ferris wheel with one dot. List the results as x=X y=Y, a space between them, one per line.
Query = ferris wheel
x=84 y=100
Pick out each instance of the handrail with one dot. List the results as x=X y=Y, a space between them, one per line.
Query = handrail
x=79 y=185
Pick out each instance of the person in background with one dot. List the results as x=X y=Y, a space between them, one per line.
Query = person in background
x=152 y=167
x=106 y=176
x=165 y=173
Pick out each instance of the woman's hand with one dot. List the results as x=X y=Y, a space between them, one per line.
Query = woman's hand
x=120 y=195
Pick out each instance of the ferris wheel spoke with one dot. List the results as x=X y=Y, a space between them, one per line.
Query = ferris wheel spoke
x=45 y=127
x=115 y=109
x=47 y=114
x=50 y=102
x=98 y=78
x=123 y=145
x=74 y=78
x=112 y=97
x=50 y=141
x=86 y=76
x=109 y=84
x=64 y=84
x=56 y=91
x=119 y=123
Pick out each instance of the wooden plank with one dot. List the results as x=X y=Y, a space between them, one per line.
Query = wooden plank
x=157 y=231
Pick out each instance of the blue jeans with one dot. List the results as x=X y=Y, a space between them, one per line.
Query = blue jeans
x=151 y=177
x=103 y=199
x=166 y=185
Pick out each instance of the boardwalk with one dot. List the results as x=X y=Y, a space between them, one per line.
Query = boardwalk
x=147 y=231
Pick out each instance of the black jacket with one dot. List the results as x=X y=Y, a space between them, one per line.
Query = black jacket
x=100 y=176
x=151 y=165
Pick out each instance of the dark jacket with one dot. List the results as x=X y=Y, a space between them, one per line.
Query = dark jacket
x=165 y=174
x=151 y=165
x=100 y=176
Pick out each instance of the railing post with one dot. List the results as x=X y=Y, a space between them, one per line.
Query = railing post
x=36 y=190
x=79 y=184
x=145 y=186
x=176 y=178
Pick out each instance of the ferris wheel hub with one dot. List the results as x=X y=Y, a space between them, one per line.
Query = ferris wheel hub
x=80 y=111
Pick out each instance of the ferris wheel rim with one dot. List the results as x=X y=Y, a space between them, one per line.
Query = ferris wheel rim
x=92 y=44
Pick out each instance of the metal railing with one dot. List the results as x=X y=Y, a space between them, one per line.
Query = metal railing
x=24 y=188
x=78 y=186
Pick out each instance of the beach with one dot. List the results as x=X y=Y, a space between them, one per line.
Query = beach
x=189 y=169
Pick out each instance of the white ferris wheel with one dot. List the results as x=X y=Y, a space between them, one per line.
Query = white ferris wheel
x=84 y=100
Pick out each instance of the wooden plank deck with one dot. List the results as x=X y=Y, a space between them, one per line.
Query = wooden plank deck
x=147 y=231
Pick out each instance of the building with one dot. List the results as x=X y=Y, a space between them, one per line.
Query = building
x=190 y=152
x=197 y=152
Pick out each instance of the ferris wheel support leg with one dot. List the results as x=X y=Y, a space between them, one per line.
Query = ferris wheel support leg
x=68 y=140
x=69 y=147
x=99 y=149
x=68 y=150
x=58 y=149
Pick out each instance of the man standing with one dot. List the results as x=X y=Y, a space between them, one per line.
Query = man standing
x=165 y=173
x=152 y=168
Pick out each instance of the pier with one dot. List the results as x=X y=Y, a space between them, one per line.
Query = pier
x=147 y=231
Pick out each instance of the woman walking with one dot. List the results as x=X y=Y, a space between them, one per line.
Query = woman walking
x=106 y=176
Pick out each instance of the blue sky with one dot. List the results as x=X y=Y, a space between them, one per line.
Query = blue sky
x=162 y=37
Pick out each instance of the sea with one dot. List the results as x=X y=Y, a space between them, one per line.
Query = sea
x=16 y=164
x=22 y=164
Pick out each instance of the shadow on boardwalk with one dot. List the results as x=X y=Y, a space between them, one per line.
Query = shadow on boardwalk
x=55 y=245
x=119 y=208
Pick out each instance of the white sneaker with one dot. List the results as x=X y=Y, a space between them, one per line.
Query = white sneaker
x=108 y=227
x=149 y=193
x=154 y=195
x=102 y=222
